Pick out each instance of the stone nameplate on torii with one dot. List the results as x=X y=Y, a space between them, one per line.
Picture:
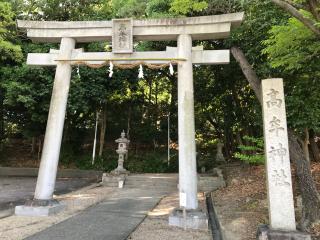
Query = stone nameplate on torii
x=122 y=39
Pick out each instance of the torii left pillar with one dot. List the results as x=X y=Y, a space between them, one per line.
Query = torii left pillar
x=43 y=203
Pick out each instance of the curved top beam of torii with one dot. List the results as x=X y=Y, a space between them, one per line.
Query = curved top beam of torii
x=200 y=28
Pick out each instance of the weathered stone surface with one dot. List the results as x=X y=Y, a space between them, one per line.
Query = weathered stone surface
x=280 y=235
x=54 y=130
x=206 y=27
x=24 y=210
x=209 y=182
x=186 y=127
x=264 y=233
x=199 y=57
x=122 y=150
x=280 y=197
x=122 y=40
x=219 y=156
x=113 y=180
x=194 y=219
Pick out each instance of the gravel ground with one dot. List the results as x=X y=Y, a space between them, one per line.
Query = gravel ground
x=19 y=227
x=156 y=227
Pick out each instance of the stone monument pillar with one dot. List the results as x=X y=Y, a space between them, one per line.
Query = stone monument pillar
x=219 y=157
x=122 y=151
x=280 y=198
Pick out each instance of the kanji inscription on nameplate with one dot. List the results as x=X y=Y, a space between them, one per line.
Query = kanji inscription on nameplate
x=122 y=40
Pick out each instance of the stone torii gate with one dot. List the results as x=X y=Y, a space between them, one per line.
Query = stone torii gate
x=123 y=32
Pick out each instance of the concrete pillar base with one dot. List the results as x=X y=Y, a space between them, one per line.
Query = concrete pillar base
x=264 y=233
x=37 y=208
x=194 y=219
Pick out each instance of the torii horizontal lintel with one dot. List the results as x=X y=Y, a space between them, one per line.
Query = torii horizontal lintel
x=199 y=57
x=200 y=28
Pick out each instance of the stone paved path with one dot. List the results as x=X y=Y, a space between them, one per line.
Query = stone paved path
x=112 y=219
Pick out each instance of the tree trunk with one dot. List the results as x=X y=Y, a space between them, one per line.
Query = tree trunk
x=128 y=130
x=95 y=138
x=33 y=145
x=150 y=92
x=39 y=148
x=102 y=130
x=306 y=145
x=129 y=121
x=309 y=193
x=314 y=8
x=248 y=72
x=1 y=118
x=314 y=146
x=239 y=140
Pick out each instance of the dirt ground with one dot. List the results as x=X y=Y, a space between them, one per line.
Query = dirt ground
x=243 y=203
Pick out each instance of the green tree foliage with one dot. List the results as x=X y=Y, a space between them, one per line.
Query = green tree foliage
x=187 y=6
x=131 y=8
x=65 y=10
x=10 y=54
x=253 y=153
x=8 y=50
x=295 y=49
x=292 y=47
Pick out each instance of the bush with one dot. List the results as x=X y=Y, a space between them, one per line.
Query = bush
x=149 y=162
x=106 y=163
x=252 y=153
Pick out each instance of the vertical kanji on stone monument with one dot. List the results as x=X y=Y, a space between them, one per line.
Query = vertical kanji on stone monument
x=280 y=197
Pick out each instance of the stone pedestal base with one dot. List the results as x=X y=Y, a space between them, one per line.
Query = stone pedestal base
x=113 y=180
x=37 y=208
x=264 y=233
x=194 y=219
x=120 y=172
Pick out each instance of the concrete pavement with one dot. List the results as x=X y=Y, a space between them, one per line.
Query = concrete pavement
x=112 y=219
x=16 y=190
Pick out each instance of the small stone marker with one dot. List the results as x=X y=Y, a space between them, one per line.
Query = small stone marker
x=280 y=197
x=219 y=157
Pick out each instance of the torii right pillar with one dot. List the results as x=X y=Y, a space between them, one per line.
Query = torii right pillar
x=188 y=215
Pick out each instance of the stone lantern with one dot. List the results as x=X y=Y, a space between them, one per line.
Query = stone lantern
x=122 y=150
